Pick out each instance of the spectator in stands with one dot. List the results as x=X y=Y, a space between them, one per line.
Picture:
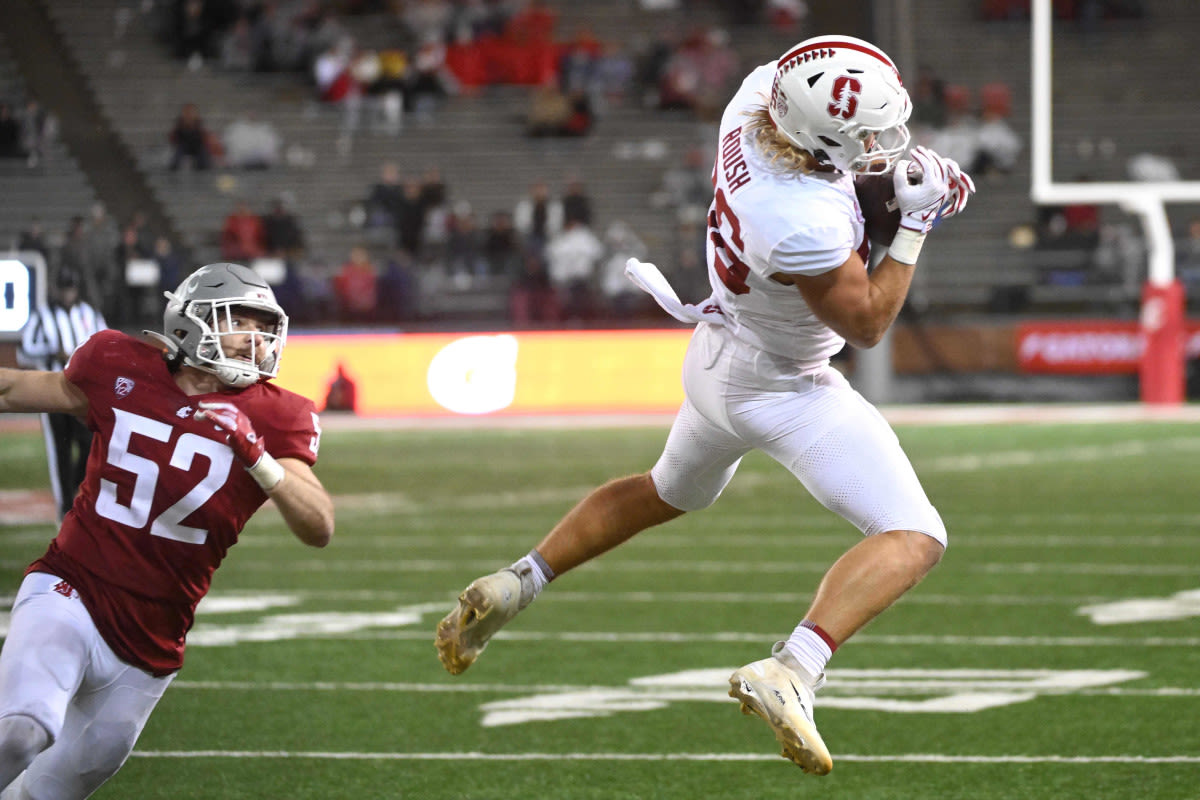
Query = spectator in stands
x=74 y=254
x=929 y=104
x=427 y=19
x=1151 y=167
x=38 y=129
x=999 y=144
x=1187 y=255
x=238 y=45
x=356 y=287
x=11 y=145
x=282 y=235
x=688 y=185
x=532 y=298
x=382 y=205
x=615 y=71
x=577 y=66
x=429 y=80
x=190 y=140
x=33 y=238
x=171 y=267
x=538 y=216
x=410 y=218
x=623 y=300
x=786 y=16
x=465 y=259
x=335 y=82
x=651 y=65
x=397 y=289
x=502 y=246
x=269 y=39
x=251 y=142
x=137 y=240
x=101 y=266
x=572 y=261
x=196 y=25
x=959 y=137
x=435 y=211
x=576 y=202
x=689 y=278
x=698 y=73
x=433 y=188
x=549 y=112
x=242 y=235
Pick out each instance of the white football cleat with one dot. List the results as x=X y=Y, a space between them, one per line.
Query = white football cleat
x=483 y=608
x=782 y=695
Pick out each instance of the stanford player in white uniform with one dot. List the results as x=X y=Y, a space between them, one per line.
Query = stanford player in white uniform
x=787 y=263
x=192 y=441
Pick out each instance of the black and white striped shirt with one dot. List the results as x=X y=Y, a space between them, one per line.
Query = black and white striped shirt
x=53 y=332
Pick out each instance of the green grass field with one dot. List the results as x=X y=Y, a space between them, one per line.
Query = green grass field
x=312 y=674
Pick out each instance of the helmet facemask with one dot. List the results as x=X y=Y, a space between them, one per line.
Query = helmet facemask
x=209 y=308
x=216 y=323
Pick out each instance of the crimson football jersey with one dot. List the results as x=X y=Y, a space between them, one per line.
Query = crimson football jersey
x=164 y=497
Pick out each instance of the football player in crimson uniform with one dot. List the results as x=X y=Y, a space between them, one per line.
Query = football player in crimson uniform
x=787 y=262
x=191 y=440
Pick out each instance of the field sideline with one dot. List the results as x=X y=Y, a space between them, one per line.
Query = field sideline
x=1054 y=653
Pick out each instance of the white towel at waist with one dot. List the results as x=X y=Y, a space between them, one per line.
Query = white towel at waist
x=650 y=280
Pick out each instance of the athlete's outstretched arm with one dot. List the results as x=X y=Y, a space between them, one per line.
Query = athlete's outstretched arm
x=303 y=502
x=24 y=390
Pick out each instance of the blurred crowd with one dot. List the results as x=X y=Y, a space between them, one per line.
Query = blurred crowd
x=26 y=130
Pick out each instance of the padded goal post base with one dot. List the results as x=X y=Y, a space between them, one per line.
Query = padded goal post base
x=1162 y=370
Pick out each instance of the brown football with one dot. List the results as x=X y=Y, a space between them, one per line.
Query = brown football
x=877 y=199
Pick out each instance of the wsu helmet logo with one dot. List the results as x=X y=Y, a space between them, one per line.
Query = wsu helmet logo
x=845 y=97
x=778 y=101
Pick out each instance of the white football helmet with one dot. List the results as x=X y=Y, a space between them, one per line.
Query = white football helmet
x=841 y=99
x=199 y=314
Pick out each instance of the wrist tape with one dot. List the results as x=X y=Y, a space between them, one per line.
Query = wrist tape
x=906 y=246
x=267 y=472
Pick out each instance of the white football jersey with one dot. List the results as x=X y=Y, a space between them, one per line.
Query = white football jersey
x=763 y=221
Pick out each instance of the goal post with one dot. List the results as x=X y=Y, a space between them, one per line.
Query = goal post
x=1162 y=321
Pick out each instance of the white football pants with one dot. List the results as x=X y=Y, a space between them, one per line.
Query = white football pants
x=739 y=398
x=56 y=669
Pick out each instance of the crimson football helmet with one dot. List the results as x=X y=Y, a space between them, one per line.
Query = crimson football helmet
x=841 y=99
x=199 y=314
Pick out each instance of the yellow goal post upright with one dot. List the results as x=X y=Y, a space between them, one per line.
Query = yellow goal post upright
x=1162 y=323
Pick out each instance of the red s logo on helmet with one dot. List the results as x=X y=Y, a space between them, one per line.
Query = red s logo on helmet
x=845 y=97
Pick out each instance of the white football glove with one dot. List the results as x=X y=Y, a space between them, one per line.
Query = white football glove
x=922 y=187
x=961 y=188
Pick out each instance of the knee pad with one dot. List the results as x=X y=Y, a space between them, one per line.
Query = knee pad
x=103 y=748
x=21 y=739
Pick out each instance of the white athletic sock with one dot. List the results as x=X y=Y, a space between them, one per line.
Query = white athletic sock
x=807 y=647
x=535 y=573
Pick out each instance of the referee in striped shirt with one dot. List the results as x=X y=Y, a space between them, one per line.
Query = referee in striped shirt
x=47 y=341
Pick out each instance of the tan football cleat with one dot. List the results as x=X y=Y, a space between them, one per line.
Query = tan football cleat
x=483 y=608
x=780 y=695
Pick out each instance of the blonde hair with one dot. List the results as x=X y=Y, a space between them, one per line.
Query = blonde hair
x=780 y=153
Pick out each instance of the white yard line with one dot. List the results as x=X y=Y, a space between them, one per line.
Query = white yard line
x=532 y=688
x=658 y=638
x=904 y=758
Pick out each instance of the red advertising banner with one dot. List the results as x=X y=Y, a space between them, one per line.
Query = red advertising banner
x=1088 y=347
